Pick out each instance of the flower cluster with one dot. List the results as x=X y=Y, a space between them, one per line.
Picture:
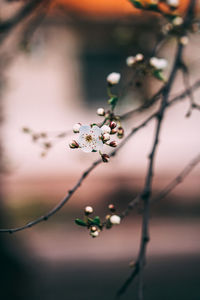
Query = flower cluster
x=93 y=137
x=95 y=225
x=154 y=65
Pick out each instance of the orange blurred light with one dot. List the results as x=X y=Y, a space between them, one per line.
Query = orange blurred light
x=107 y=7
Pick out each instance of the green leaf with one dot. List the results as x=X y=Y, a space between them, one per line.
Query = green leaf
x=153 y=7
x=159 y=75
x=136 y=3
x=113 y=101
x=97 y=220
x=80 y=222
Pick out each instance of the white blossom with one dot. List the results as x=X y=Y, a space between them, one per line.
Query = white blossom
x=76 y=127
x=130 y=61
x=113 y=78
x=105 y=129
x=90 y=138
x=115 y=220
x=173 y=3
x=158 y=63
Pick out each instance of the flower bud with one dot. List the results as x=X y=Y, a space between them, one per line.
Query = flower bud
x=94 y=234
x=73 y=144
x=105 y=129
x=139 y=57
x=113 y=124
x=184 y=40
x=76 y=127
x=113 y=144
x=177 y=21
x=115 y=220
x=120 y=132
x=130 y=61
x=111 y=207
x=106 y=137
x=93 y=229
x=101 y=112
x=88 y=210
x=105 y=158
x=113 y=131
x=158 y=63
x=173 y=3
x=113 y=78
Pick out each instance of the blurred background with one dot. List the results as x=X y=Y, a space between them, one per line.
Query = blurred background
x=53 y=72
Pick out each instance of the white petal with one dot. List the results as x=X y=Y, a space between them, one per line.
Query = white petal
x=84 y=129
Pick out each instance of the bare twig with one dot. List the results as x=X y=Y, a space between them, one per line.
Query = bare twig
x=146 y=193
x=96 y=163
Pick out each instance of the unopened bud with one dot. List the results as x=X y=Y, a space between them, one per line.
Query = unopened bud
x=184 y=40
x=113 y=144
x=177 y=21
x=26 y=130
x=73 y=144
x=105 y=158
x=139 y=57
x=113 y=78
x=106 y=137
x=113 y=131
x=93 y=228
x=76 y=127
x=130 y=61
x=111 y=207
x=94 y=234
x=120 y=132
x=100 y=112
x=105 y=129
x=88 y=210
x=115 y=220
x=113 y=124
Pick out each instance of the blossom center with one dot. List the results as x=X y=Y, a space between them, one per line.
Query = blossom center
x=88 y=138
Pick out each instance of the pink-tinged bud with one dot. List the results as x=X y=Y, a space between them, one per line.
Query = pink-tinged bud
x=76 y=127
x=113 y=124
x=94 y=234
x=113 y=144
x=88 y=210
x=105 y=158
x=113 y=131
x=106 y=137
x=120 y=132
x=73 y=144
x=111 y=207
x=93 y=228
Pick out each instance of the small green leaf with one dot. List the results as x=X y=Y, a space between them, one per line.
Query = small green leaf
x=80 y=222
x=153 y=7
x=113 y=101
x=90 y=221
x=159 y=75
x=97 y=220
x=136 y=3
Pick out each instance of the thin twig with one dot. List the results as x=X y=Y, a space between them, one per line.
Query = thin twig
x=146 y=193
x=96 y=163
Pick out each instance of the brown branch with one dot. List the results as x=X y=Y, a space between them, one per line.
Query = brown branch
x=96 y=163
x=7 y=26
x=147 y=190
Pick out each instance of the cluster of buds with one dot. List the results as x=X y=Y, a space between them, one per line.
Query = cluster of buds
x=95 y=225
x=93 y=137
x=133 y=60
x=154 y=65
x=43 y=139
